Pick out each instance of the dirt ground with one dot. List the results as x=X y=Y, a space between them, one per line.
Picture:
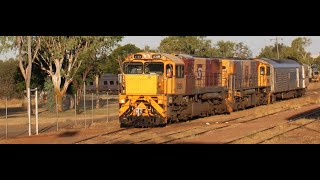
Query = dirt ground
x=293 y=121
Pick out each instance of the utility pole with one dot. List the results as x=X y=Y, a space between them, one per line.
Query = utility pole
x=276 y=39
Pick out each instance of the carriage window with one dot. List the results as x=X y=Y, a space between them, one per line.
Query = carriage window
x=268 y=71
x=180 y=71
x=105 y=83
x=133 y=68
x=262 y=70
x=111 y=83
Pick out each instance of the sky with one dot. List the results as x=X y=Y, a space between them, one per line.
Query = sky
x=255 y=43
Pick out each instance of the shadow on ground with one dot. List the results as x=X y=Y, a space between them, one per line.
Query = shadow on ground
x=68 y=134
x=311 y=114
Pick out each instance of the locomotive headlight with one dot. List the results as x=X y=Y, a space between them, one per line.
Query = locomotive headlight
x=122 y=101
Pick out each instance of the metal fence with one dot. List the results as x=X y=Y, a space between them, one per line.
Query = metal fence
x=79 y=112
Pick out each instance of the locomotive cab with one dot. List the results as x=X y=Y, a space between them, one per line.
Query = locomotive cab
x=147 y=81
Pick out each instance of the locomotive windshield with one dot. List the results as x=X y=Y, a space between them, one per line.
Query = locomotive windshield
x=133 y=68
x=154 y=68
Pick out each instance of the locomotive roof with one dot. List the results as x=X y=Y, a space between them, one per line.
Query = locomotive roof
x=191 y=56
x=282 y=63
x=175 y=59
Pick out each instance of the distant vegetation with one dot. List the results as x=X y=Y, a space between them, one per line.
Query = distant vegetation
x=200 y=46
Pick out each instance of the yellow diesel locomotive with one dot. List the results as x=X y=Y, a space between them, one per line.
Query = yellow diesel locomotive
x=158 y=88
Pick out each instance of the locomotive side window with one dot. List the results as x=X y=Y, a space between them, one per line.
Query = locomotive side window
x=262 y=70
x=177 y=71
x=180 y=71
x=133 y=68
x=169 y=70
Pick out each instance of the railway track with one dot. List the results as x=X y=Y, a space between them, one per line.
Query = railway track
x=168 y=135
x=150 y=135
x=278 y=135
x=230 y=122
x=289 y=129
x=97 y=137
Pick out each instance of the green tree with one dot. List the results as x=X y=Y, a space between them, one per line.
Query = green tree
x=271 y=52
x=195 y=45
x=242 y=51
x=50 y=98
x=85 y=71
x=8 y=70
x=148 y=49
x=26 y=54
x=59 y=57
x=37 y=79
x=124 y=51
x=298 y=50
x=225 y=48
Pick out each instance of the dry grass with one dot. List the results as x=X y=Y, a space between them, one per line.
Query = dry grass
x=11 y=103
x=50 y=117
